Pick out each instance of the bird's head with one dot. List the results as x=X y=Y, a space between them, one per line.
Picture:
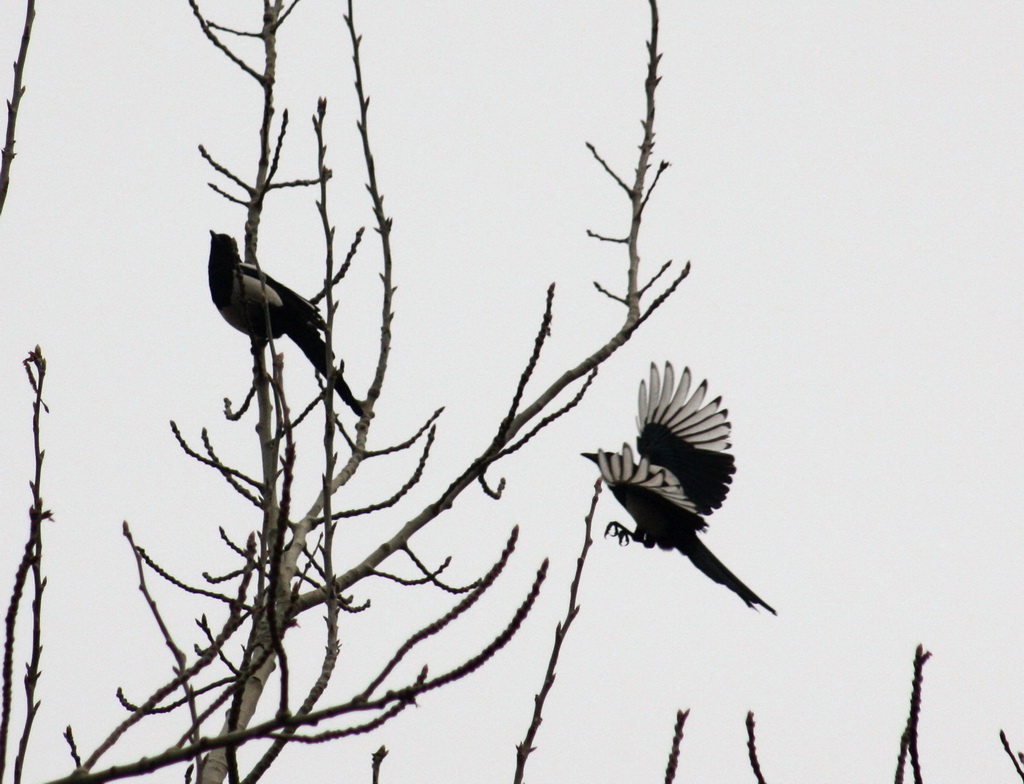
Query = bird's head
x=222 y=244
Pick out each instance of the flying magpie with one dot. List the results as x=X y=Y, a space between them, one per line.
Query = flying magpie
x=683 y=474
x=239 y=296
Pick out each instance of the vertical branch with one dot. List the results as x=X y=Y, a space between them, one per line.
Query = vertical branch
x=271 y=11
x=377 y=760
x=524 y=749
x=755 y=765
x=330 y=457
x=35 y=367
x=677 y=739
x=7 y=156
x=332 y=307
x=220 y=762
x=909 y=740
x=384 y=223
x=636 y=194
x=278 y=578
x=288 y=560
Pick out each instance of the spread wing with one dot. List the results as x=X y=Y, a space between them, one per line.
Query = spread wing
x=687 y=437
x=619 y=470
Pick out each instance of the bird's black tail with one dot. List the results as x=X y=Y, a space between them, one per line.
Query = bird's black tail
x=307 y=337
x=706 y=561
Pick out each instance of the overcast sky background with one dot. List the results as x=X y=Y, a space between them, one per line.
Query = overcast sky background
x=847 y=180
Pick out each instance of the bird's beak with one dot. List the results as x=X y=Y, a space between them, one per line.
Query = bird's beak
x=589 y=455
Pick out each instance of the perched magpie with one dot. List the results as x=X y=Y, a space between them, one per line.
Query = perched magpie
x=682 y=475
x=238 y=294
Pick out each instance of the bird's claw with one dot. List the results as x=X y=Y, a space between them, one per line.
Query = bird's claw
x=620 y=532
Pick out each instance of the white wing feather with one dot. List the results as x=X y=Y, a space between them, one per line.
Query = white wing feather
x=618 y=468
x=704 y=426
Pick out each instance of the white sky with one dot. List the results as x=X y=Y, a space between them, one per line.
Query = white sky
x=847 y=180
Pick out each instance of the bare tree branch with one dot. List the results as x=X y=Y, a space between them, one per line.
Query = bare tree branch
x=29 y=566
x=343 y=269
x=227 y=173
x=208 y=32
x=410 y=483
x=525 y=748
x=176 y=652
x=482 y=585
x=234 y=621
x=278 y=723
x=7 y=155
x=603 y=238
x=755 y=765
x=1009 y=753
x=909 y=740
x=607 y=168
x=230 y=474
x=677 y=739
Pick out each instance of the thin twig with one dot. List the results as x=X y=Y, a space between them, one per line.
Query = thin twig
x=376 y=760
x=908 y=743
x=410 y=483
x=7 y=155
x=658 y=274
x=234 y=621
x=204 y=626
x=285 y=15
x=231 y=545
x=409 y=441
x=141 y=552
x=221 y=192
x=603 y=238
x=524 y=377
x=277 y=149
x=752 y=749
x=526 y=747
x=345 y=265
x=497 y=492
x=170 y=707
x=607 y=168
x=577 y=398
x=208 y=32
x=229 y=474
x=30 y=564
x=608 y=294
x=430 y=576
x=1009 y=753
x=278 y=598
x=677 y=739
x=657 y=176
x=482 y=585
x=69 y=736
x=234 y=416
x=226 y=172
x=241 y=33
x=176 y=652
x=359 y=729
x=384 y=223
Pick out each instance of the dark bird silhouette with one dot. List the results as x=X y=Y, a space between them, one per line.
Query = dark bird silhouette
x=683 y=474
x=239 y=296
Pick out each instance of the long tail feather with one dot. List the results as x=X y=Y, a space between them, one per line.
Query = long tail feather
x=706 y=561
x=307 y=338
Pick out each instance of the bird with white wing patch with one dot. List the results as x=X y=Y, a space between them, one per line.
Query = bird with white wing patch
x=683 y=474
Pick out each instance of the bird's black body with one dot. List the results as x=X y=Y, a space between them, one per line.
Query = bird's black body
x=682 y=475
x=240 y=295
